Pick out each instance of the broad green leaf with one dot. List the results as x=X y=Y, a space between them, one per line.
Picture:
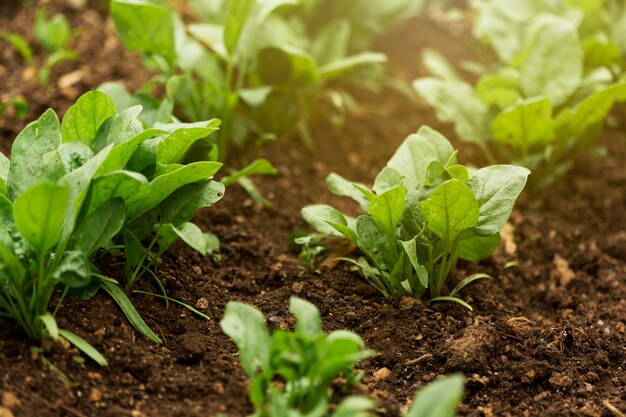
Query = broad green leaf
x=172 y=149
x=129 y=311
x=82 y=121
x=34 y=155
x=74 y=271
x=309 y=322
x=122 y=153
x=437 y=64
x=39 y=213
x=53 y=34
x=164 y=185
x=341 y=66
x=84 y=347
x=386 y=209
x=74 y=155
x=439 y=398
x=20 y=44
x=475 y=248
x=239 y=11
x=526 y=125
x=387 y=179
x=287 y=67
x=340 y=186
x=78 y=182
x=256 y=167
x=354 y=406
x=496 y=188
x=183 y=203
x=246 y=326
x=376 y=243
x=456 y=102
x=332 y=41
x=450 y=209
x=501 y=88
x=119 y=128
x=412 y=157
x=129 y=186
x=100 y=227
x=145 y=27
x=552 y=59
x=319 y=216
x=188 y=232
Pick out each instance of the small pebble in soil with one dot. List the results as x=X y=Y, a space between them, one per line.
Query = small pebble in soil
x=5 y=412
x=202 y=303
x=381 y=374
x=10 y=400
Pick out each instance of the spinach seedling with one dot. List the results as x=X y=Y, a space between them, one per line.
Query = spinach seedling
x=53 y=35
x=439 y=398
x=292 y=372
x=424 y=212
x=559 y=72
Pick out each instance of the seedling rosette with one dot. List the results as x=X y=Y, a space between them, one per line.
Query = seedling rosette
x=424 y=212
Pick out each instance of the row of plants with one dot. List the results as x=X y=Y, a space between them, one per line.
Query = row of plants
x=124 y=173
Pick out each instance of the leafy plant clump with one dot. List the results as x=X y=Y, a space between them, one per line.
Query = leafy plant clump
x=292 y=372
x=560 y=70
x=424 y=213
x=261 y=67
x=53 y=35
x=97 y=180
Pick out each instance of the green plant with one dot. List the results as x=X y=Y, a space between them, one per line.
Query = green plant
x=292 y=371
x=424 y=212
x=439 y=398
x=19 y=104
x=53 y=35
x=101 y=181
x=253 y=65
x=560 y=70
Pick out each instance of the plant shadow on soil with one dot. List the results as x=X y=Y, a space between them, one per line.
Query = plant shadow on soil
x=547 y=338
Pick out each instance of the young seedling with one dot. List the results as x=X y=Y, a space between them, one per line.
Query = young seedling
x=424 y=213
x=53 y=35
x=560 y=71
x=292 y=372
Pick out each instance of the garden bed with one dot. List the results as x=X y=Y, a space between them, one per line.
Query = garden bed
x=547 y=337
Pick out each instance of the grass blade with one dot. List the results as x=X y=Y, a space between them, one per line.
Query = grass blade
x=84 y=347
x=180 y=303
x=453 y=299
x=129 y=310
x=468 y=280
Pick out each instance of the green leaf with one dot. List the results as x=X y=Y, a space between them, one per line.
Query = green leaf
x=239 y=11
x=496 y=188
x=100 y=227
x=376 y=243
x=118 y=128
x=455 y=102
x=20 y=44
x=84 y=347
x=410 y=248
x=256 y=167
x=343 y=65
x=246 y=326
x=145 y=27
x=526 y=125
x=172 y=149
x=122 y=153
x=129 y=310
x=386 y=209
x=34 y=155
x=164 y=185
x=439 y=398
x=129 y=186
x=501 y=88
x=188 y=232
x=340 y=186
x=318 y=216
x=448 y=298
x=53 y=34
x=475 y=248
x=50 y=324
x=414 y=154
x=552 y=59
x=354 y=406
x=74 y=271
x=387 y=179
x=39 y=213
x=181 y=206
x=82 y=121
x=309 y=322
x=465 y=282
x=450 y=209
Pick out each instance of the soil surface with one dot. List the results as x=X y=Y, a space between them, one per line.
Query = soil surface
x=547 y=336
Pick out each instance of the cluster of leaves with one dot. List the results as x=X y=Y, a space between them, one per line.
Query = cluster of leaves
x=53 y=35
x=560 y=69
x=260 y=66
x=424 y=212
x=97 y=180
x=292 y=372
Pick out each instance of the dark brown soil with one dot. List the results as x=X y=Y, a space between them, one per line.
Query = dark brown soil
x=547 y=338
